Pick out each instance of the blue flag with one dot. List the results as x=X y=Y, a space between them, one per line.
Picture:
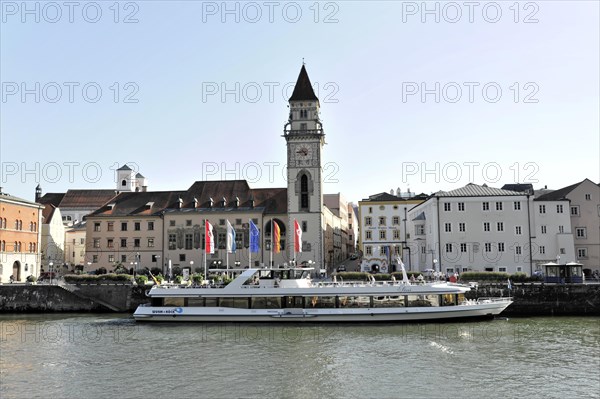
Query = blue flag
x=254 y=238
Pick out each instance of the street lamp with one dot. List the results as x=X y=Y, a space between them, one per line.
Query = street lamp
x=156 y=258
x=50 y=265
x=435 y=261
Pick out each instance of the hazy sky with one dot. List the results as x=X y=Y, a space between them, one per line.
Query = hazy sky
x=427 y=99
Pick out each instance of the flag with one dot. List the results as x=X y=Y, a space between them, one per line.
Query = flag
x=209 y=239
x=509 y=285
x=387 y=253
x=297 y=237
x=276 y=237
x=254 y=238
x=230 y=238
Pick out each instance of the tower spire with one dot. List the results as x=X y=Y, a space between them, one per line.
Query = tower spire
x=303 y=90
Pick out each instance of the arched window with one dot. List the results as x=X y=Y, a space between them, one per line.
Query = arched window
x=304 y=192
x=123 y=183
x=16 y=246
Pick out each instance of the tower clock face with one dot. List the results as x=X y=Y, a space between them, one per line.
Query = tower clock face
x=303 y=154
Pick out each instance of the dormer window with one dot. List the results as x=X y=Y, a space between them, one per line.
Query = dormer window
x=303 y=114
x=123 y=183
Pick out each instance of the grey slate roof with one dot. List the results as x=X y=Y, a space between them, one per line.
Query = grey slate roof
x=560 y=194
x=474 y=190
x=303 y=89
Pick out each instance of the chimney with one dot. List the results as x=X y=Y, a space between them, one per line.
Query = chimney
x=179 y=203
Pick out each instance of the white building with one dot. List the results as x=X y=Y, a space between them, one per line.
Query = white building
x=476 y=228
x=385 y=231
x=581 y=203
x=53 y=238
x=75 y=246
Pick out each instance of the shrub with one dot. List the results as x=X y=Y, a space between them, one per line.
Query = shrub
x=197 y=278
x=353 y=276
x=159 y=278
x=484 y=276
x=92 y=279
x=198 y=270
x=176 y=271
x=178 y=279
x=141 y=279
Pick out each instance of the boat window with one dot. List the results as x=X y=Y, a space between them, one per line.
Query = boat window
x=157 y=301
x=294 y=302
x=388 y=301
x=354 y=302
x=238 y=303
x=195 y=301
x=448 y=300
x=174 y=301
x=418 y=300
x=320 y=302
x=266 y=303
x=211 y=302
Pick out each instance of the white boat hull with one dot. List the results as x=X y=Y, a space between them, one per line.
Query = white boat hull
x=410 y=314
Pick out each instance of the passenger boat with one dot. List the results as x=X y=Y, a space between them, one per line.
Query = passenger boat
x=289 y=294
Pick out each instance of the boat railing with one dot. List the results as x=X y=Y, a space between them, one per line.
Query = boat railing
x=494 y=300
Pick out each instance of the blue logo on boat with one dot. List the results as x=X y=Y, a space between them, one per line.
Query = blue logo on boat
x=179 y=310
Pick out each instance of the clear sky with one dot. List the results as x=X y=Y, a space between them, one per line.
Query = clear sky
x=427 y=96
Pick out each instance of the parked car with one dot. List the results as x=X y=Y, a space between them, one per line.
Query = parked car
x=341 y=268
x=353 y=257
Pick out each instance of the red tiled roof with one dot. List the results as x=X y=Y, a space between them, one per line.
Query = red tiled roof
x=86 y=198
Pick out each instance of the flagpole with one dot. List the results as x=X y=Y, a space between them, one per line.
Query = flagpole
x=272 y=243
x=249 y=244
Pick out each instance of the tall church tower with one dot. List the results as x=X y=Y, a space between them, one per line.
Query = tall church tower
x=305 y=138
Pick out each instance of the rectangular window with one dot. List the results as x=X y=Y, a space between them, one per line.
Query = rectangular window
x=486 y=226
x=461 y=206
x=150 y=226
x=96 y=243
x=447 y=206
x=368 y=250
x=580 y=232
x=173 y=241
x=189 y=239
x=238 y=221
x=94 y=258
x=488 y=247
x=123 y=242
x=111 y=258
x=502 y=269
x=420 y=230
x=396 y=234
x=500 y=247
x=182 y=257
x=559 y=208
x=448 y=227
x=367 y=220
x=542 y=250
x=542 y=208
x=588 y=197
x=562 y=251
x=150 y=242
x=517 y=205
x=518 y=250
x=368 y=235
x=462 y=227
x=561 y=229
x=222 y=237
x=581 y=253
x=188 y=223
x=171 y=223
x=463 y=247
x=123 y=258
x=137 y=226
x=304 y=227
x=97 y=226
x=370 y=209
x=221 y=222
x=110 y=243
x=110 y=226
x=519 y=269
x=500 y=226
x=123 y=226
x=518 y=230
x=382 y=220
x=382 y=234
x=575 y=210
x=498 y=206
x=543 y=229
x=449 y=248
x=486 y=206
x=396 y=220
x=136 y=242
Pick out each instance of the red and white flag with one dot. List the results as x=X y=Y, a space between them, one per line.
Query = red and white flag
x=209 y=239
x=297 y=237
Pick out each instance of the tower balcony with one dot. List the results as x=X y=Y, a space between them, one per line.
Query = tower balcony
x=287 y=132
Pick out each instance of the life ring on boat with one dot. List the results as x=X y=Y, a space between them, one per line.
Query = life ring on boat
x=147 y=293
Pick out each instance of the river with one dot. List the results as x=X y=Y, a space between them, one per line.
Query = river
x=108 y=356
